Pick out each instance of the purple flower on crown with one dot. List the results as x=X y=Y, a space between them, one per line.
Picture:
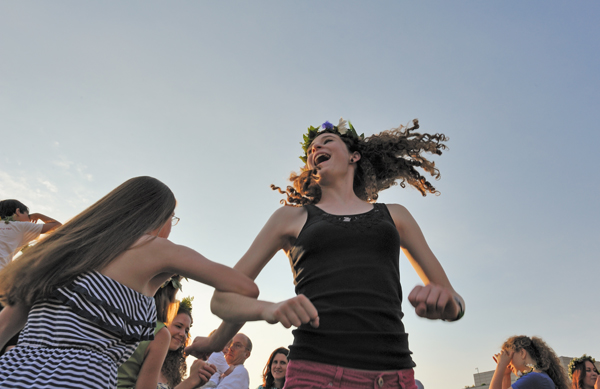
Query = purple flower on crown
x=327 y=126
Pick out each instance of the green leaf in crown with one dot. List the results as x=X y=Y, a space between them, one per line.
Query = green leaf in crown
x=344 y=128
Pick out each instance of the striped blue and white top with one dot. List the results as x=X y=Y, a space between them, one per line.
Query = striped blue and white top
x=79 y=336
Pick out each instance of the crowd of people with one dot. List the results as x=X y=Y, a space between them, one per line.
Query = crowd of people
x=94 y=305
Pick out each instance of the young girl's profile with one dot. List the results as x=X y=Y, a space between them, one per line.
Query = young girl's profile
x=84 y=294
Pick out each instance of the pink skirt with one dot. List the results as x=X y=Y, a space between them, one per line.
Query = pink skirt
x=305 y=374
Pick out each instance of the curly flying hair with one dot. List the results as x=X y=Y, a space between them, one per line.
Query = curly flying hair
x=545 y=358
x=389 y=158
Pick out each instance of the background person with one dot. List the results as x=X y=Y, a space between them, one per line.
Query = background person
x=583 y=372
x=174 y=367
x=237 y=376
x=530 y=359
x=275 y=369
x=217 y=359
x=17 y=229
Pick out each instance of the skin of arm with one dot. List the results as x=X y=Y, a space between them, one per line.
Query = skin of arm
x=501 y=378
x=436 y=299
x=153 y=360
x=153 y=260
x=12 y=320
x=49 y=223
x=278 y=233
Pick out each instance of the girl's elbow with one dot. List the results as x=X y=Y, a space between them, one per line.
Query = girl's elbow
x=251 y=290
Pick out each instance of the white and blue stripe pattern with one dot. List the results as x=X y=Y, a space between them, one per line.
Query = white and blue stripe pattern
x=79 y=336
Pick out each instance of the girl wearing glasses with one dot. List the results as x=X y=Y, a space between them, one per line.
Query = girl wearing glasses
x=344 y=250
x=84 y=294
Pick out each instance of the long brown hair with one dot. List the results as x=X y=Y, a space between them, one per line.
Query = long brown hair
x=545 y=358
x=89 y=241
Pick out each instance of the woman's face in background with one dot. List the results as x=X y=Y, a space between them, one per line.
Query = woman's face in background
x=591 y=374
x=179 y=329
x=279 y=366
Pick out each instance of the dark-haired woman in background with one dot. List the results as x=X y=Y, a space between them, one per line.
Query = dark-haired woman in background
x=275 y=369
x=583 y=373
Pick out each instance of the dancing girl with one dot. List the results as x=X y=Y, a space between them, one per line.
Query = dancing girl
x=84 y=293
x=344 y=250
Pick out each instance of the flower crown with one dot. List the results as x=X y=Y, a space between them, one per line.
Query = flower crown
x=186 y=303
x=576 y=361
x=344 y=127
x=175 y=282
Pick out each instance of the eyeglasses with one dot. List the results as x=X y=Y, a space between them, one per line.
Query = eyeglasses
x=174 y=220
x=237 y=345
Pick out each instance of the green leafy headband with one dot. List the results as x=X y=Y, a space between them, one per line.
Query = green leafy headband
x=186 y=303
x=576 y=361
x=344 y=128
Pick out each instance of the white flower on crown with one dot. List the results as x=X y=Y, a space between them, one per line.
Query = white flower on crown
x=342 y=126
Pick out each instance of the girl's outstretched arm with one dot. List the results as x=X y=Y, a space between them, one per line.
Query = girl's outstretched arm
x=12 y=320
x=436 y=299
x=280 y=230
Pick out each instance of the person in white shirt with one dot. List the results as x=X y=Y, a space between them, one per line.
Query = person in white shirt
x=17 y=229
x=237 y=376
x=217 y=359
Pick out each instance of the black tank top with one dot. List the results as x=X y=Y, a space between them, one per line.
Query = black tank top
x=348 y=266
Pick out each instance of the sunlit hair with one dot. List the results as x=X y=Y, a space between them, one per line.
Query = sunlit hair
x=90 y=241
x=268 y=379
x=579 y=373
x=164 y=299
x=175 y=367
x=545 y=358
x=389 y=158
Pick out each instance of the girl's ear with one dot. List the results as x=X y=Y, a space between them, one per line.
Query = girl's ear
x=355 y=156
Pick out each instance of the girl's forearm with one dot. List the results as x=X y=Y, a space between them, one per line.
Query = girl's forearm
x=500 y=380
x=236 y=308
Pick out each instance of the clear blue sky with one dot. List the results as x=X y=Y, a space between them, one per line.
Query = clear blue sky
x=213 y=98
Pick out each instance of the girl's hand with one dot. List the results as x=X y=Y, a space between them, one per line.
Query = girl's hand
x=200 y=373
x=503 y=359
x=434 y=302
x=205 y=371
x=292 y=312
x=200 y=348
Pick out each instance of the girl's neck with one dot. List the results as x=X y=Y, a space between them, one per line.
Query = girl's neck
x=278 y=384
x=338 y=204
